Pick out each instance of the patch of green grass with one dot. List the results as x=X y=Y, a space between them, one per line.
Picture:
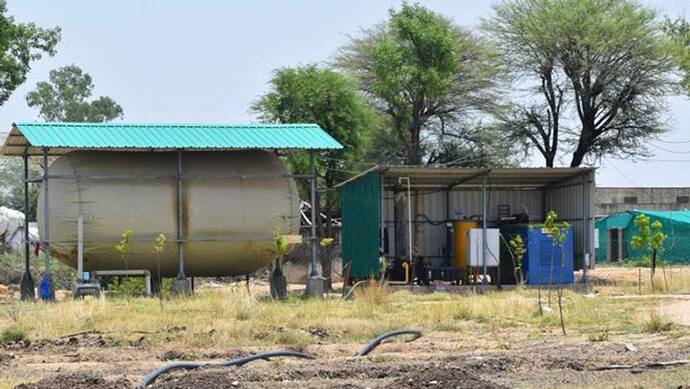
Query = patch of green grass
x=12 y=335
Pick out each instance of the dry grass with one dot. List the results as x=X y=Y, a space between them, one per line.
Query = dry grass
x=227 y=317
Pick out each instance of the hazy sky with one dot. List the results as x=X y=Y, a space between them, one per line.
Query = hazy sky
x=170 y=61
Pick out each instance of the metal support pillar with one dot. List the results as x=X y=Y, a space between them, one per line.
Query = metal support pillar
x=47 y=291
x=80 y=249
x=315 y=283
x=585 y=231
x=485 y=215
x=27 y=286
x=182 y=285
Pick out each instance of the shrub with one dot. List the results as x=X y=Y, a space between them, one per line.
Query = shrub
x=599 y=336
x=13 y=335
x=656 y=324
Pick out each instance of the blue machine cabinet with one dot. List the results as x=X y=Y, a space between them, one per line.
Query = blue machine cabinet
x=542 y=260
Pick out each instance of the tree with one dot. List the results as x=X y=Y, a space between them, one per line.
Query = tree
x=425 y=74
x=678 y=31
x=558 y=232
x=64 y=98
x=21 y=44
x=650 y=239
x=604 y=59
x=312 y=94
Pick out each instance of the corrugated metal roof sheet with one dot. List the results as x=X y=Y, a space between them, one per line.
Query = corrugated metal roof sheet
x=441 y=177
x=59 y=136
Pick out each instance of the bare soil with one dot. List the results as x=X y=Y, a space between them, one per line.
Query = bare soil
x=439 y=359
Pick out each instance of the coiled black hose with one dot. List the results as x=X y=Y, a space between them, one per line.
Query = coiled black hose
x=151 y=377
x=377 y=340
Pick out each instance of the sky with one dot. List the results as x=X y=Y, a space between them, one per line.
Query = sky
x=168 y=61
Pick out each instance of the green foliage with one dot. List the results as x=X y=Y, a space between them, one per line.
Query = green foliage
x=64 y=98
x=426 y=75
x=326 y=242
x=123 y=245
x=602 y=63
x=557 y=231
x=517 y=246
x=20 y=45
x=12 y=270
x=160 y=244
x=12 y=185
x=280 y=242
x=13 y=335
x=678 y=31
x=649 y=237
x=312 y=94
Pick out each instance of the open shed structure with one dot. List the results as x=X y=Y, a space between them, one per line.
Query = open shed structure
x=181 y=144
x=406 y=212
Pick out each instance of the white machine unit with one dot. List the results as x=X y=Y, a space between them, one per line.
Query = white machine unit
x=474 y=254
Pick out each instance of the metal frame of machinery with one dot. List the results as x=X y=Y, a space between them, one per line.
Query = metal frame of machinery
x=46 y=140
x=417 y=220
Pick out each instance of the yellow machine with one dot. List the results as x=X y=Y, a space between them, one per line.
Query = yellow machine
x=460 y=231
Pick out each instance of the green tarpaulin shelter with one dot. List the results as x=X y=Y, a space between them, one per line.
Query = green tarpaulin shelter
x=616 y=233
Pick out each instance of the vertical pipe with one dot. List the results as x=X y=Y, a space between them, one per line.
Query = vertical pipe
x=27 y=248
x=312 y=168
x=484 y=217
x=46 y=228
x=382 y=244
x=585 y=229
x=27 y=283
x=80 y=248
x=180 y=242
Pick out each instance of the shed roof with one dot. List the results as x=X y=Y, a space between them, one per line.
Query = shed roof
x=623 y=219
x=32 y=138
x=444 y=177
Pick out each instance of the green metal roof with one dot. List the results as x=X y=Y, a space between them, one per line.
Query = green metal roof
x=62 y=137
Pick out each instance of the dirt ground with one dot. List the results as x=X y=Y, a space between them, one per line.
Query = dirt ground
x=438 y=359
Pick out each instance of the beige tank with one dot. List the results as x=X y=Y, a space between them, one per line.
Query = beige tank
x=229 y=221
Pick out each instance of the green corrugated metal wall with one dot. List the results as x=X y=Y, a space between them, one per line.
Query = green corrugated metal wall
x=360 y=207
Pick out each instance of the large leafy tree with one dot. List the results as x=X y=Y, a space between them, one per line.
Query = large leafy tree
x=605 y=61
x=426 y=75
x=20 y=45
x=64 y=98
x=313 y=94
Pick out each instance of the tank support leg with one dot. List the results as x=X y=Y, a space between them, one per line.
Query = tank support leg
x=182 y=284
x=47 y=292
x=315 y=283
x=27 y=286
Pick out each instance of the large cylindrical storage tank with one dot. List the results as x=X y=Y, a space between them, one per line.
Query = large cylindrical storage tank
x=229 y=215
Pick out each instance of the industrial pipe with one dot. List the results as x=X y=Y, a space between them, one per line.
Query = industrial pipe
x=377 y=341
x=145 y=273
x=151 y=377
x=406 y=267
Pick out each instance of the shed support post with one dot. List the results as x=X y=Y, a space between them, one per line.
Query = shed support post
x=485 y=215
x=27 y=286
x=315 y=283
x=182 y=284
x=47 y=292
x=585 y=230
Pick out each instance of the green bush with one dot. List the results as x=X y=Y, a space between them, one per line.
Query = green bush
x=13 y=335
x=12 y=270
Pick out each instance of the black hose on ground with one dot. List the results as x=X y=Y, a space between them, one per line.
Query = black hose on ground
x=377 y=340
x=151 y=377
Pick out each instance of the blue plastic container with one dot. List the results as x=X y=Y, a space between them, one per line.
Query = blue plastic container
x=542 y=260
